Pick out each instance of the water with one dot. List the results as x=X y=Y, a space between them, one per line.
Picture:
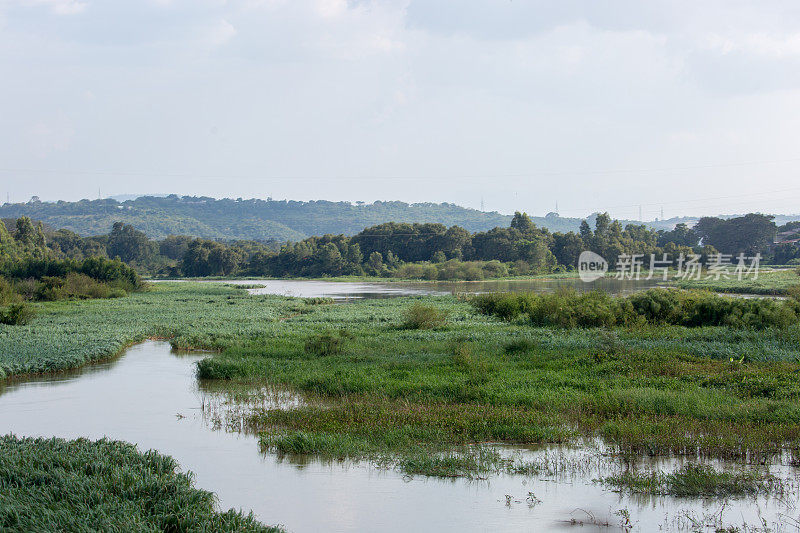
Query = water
x=349 y=290
x=150 y=396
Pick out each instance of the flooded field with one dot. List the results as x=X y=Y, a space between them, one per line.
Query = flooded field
x=351 y=290
x=150 y=396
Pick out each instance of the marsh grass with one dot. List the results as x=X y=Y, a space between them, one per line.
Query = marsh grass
x=656 y=390
x=325 y=344
x=696 y=480
x=83 y=485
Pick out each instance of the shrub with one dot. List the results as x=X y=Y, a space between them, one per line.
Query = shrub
x=7 y=293
x=420 y=316
x=73 y=285
x=18 y=314
x=794 y=292
x=325 y=343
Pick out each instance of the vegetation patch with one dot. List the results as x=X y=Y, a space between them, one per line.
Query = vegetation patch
x=18 y=314
x=696 y=480
x=420 y=316
x=325 y=343
x=83 y=485
x=570 y=309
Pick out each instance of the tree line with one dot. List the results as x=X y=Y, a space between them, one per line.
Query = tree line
x=409 y=250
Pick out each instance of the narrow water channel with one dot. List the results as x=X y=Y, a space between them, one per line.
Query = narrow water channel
x=151 y=397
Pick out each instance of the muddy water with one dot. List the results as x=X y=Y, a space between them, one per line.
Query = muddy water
x=150 y=396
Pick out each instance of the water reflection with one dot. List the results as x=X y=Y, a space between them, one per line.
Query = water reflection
x=346 y=290
x=150 y=396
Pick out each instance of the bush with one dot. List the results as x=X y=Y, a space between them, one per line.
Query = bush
x=74 y=285
x=420 y=316
x=325 y=343
x=111 y=272
x=7 y=293
x=18 y=314
x=794 y=292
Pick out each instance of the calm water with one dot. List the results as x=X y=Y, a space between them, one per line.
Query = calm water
x=150 y=396
x=347 y=290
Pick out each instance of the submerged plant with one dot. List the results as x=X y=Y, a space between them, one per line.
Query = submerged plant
x=696 y=480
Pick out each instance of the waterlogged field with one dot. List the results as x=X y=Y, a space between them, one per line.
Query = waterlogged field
x=427 y=386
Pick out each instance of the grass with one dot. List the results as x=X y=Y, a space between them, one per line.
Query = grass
x=396 y=394
x=696 y=480
x=83 y=485
x=776 y=282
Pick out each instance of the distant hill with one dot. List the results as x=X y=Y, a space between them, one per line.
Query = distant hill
x=279 y=220
x=244 y=219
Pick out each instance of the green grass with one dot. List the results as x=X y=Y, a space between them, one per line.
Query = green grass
x=695 y=480
x=390 y=392
x=775 y=282
x=83 y=485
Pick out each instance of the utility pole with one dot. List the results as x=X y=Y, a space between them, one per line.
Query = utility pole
x=662 y=212
x=481 y=203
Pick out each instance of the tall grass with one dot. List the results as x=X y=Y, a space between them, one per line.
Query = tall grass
x=83 y=485
x=696 y=480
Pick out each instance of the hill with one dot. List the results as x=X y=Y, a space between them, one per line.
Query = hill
x=251 y=219
x=268 y=220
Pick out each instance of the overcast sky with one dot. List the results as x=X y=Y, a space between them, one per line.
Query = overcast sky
x=693 y=106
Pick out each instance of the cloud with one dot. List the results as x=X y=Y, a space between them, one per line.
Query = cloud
x=400 y=87
x=222 y=32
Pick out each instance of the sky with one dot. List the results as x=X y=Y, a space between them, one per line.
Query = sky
x=688 y=107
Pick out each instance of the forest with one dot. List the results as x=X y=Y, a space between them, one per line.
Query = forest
x=403 y=250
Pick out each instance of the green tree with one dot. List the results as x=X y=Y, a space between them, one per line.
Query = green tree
x=129 y=244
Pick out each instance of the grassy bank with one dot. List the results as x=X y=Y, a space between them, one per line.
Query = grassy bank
x=379 y=389
x=82 y=485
